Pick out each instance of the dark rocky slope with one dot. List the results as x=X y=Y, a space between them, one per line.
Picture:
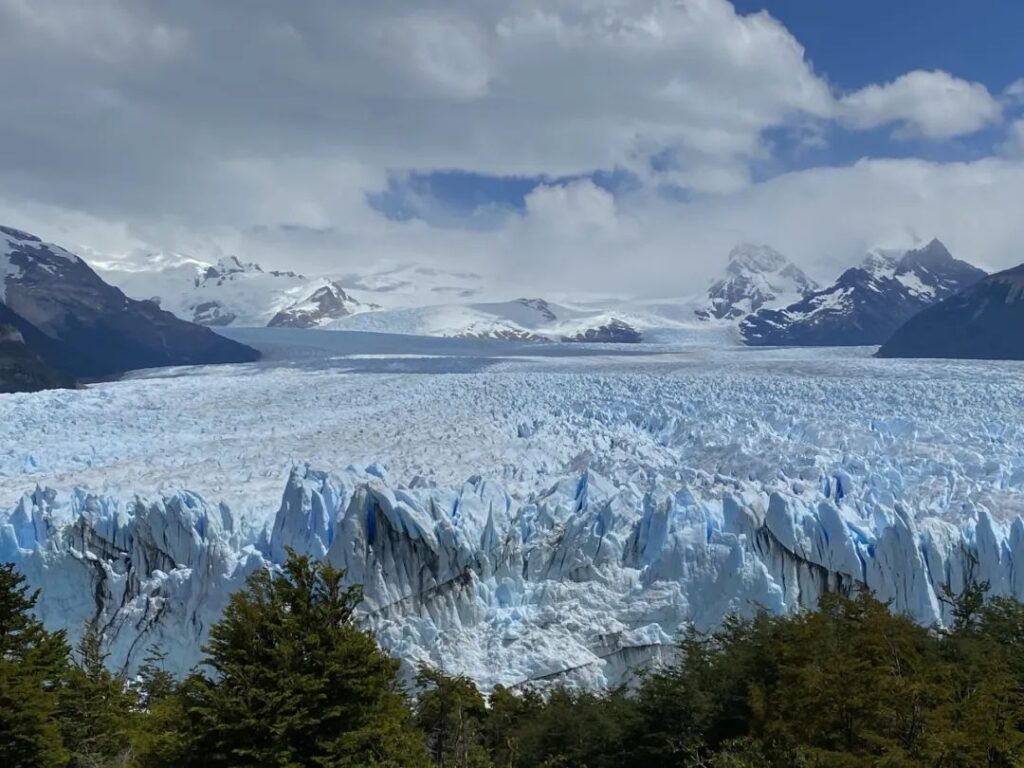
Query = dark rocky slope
x=984 y=322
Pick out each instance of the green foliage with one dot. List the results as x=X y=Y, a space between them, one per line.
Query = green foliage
x=95 y=708
x=33 y=664
x=293 y=681
x=576 y=728
x=296 y=682
x=451 y=712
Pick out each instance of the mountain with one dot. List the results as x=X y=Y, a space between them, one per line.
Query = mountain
x=85 y=328
x=756 y=276
x=328 y=302
x=867 y=303
x=985 y=322
x=21 y=368
x=229 y=291
x=409 y=285
x=524 y=319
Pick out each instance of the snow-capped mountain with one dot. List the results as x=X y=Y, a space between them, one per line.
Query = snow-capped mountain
x=866 y=304
x=83 y=327
x=326 y=303
x=409 y=285
x=756 y=276
x=411 y=300
x=985 y=321
x=229 y=291
x=522 y=319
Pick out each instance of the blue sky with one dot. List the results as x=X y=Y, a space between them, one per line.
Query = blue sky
x=856 y=42
x=852 y=43
x=602 y=144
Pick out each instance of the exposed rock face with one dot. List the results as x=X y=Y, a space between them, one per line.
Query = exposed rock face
x=86 y=328
x=542 y=307
x=212 y=313
x=755 y=276
x=615 y=331
x=329 y=302
x=985 y=321
x=866 y=304
x=503 y=334
x=21 y=369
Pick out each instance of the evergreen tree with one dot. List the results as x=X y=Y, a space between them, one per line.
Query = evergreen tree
x=451 y=712
x=577 y=729
x=506 y=714
x=296 y=682
x=33 y=664
x=155 y=683
x=95 y=708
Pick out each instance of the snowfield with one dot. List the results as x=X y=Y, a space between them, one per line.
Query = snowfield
x=516 y=511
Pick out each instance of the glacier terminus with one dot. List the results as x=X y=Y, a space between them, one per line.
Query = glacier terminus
x=527 y=513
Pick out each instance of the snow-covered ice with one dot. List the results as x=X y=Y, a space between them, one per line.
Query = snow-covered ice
x=516 y=511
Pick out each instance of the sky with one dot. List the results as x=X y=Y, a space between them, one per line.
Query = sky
x=581 y=145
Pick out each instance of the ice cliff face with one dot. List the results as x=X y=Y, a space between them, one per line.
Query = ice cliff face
x=583 y=581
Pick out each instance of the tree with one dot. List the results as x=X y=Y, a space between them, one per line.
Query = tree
x=33 y=664
x=95 y=708
x=451 y=712
x=506 y=713
x=296 y=681
x=573 y=728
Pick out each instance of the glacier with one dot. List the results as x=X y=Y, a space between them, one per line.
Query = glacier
x=521 y=514
x=581 y=583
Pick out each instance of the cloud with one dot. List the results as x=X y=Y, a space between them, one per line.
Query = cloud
x=934 y=105
x=267 y=128
x=1014 y=144
x=540 y=87
x=448 y=56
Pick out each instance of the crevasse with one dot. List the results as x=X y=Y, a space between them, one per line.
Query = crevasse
x=582 y=581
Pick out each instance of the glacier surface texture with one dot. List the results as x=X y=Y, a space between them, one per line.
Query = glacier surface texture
x=522 y=514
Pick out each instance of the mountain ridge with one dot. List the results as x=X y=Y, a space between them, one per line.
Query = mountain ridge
x=866 y=303
x=87 y=329
x=983 y=322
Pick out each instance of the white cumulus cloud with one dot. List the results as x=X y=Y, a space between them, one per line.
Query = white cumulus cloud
x=934 y=105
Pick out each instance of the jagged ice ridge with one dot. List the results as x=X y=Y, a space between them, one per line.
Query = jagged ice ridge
x=620 y=493
x=583 y=582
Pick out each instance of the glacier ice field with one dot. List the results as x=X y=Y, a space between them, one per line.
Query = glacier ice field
x=516 y=513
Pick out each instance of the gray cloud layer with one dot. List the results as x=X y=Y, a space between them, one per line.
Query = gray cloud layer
x=260 y=127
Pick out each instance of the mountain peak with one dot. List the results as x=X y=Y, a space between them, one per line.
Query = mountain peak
x=747 y=257
x=328 y=302
x=933 y=254
x=16 y=234
x=756 y=275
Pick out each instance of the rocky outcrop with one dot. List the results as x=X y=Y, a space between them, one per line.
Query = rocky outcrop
x=86 y=328
x=326 y=303
x=755 y=276
x=984 y=322
x=866 y=304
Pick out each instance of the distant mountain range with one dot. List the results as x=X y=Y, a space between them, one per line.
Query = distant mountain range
x=58 y=312
x=408 y=300
x=985 y=321
x=866 y=304
x=761 y=299
x=229 y=291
